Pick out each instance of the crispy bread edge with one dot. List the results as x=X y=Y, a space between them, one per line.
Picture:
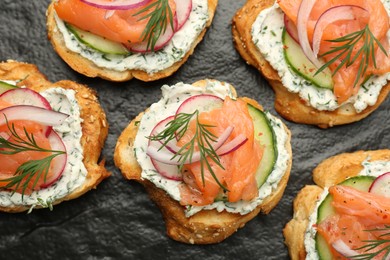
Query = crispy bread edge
x=288 y=104
x=88 y=68
x=329 y=172
x=94 y=125
x=207 y=226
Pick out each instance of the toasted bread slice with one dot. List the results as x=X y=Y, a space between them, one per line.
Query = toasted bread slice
x=94 y=125
x=88 y=68
x=330 y=172
x=206 y=226
x=288 y=104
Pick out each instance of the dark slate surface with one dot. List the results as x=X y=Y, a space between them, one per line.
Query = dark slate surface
x=118 y=220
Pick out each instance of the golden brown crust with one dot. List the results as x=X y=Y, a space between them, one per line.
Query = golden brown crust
x=288 y=104
x=94 y=126
x=207 y=226
x=88 y=68
x=329 y=172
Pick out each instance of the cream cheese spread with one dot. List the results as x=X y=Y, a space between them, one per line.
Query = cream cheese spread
x=152 y=62
x=267 y=36
x=75 y=173
x=172 y=97
x=375 y=169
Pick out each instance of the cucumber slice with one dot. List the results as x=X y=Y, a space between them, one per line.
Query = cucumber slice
x=300 y=64
x=266 y=136
x=326 y=209
x=4 y=86
x=97 y=42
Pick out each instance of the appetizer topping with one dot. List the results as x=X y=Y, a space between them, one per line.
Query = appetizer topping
x=32 y=155
x=350 y=38
x=210 y=148
x=141 y=26
x=356 y=224
x=4 y=86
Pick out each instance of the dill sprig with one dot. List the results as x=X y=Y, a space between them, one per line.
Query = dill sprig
x=346 y=49
x=382 y=241
x=30 y=169
x=202 y=139
x=160 y=13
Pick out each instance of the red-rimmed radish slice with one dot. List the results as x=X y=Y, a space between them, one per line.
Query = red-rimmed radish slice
x=4 y=86
x=32 y=113
x=25 y=96
x=331 y=15
x=302 y=20
x=341 y=247
x=166 y=170
x=202 y=102
x=381 y=185
x=163 y=40
x=216 y=145
x=59 y=162
x=183 y=10
x=116 y=5
x=233 y=145
x=291 y=28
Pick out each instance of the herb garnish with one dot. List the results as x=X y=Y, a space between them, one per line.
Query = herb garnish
x=29 y=169
x=160 y=13
x=384 y=240
x=345 y=51
x=202 y=139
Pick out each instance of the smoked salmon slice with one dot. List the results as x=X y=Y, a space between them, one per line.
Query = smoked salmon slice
x=239 y=167
x=123 y=26
x=378 y=23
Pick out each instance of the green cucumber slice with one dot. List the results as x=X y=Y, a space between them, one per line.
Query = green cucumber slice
x=4 y=86
x=264 y=134
x=326 y=209
x=300 y=64
x=97 y=42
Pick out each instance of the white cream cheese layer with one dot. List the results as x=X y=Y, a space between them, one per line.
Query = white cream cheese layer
x=375 y=169
x=172 y=97
x=267 y=36
x=75 y=173
x=151 y=62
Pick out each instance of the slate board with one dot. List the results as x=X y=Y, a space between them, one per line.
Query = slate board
x=118 y=220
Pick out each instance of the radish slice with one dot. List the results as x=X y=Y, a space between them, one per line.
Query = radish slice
x=381 y=185
x=116 y=5
x=291 y=28
x=166 y=170
x=302 y=21
x=233 y=145
x=331 y=15
x=183 y=10
x=32 y=113
x=59 y=162
x=25 y=96
x=202 y=102
x=216 y=145
x=343 y=248
x=161 y=42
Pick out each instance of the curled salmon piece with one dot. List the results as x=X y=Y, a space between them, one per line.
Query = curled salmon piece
x=239 y=167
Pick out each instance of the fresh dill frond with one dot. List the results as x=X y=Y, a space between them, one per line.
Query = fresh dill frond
x=160 y=15
x=348 y=55
x=202 y=139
